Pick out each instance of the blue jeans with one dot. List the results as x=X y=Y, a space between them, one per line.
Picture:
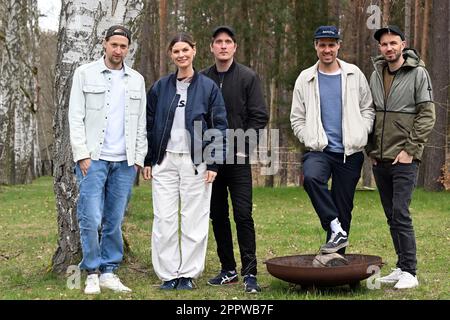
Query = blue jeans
x=103 y=198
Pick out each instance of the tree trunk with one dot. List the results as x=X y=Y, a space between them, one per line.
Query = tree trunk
x=426 y=31
x=162 y=37
x=434 y=157
x=408 y=22
x=386 y=12
x=19 y=148
x=417 y=13
x=81 y=30
x=334 y=13
x=269 y=181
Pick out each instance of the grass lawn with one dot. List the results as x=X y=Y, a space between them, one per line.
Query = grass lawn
x=286 y=224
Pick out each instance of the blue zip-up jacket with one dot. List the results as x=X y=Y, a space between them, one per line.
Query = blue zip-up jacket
x=204 y=104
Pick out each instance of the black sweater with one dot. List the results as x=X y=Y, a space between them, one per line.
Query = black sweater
x=242 y=92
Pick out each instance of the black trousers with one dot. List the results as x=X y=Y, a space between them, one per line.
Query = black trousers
x=337 y=202
x=395 y=185
x=237 y=180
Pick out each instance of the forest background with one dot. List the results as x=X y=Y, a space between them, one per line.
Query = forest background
x=275 y=38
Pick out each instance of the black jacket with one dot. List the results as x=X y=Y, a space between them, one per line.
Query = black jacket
x=204 y=103
x=244 y=99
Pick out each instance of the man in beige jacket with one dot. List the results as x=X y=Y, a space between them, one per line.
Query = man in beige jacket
x=332 y=116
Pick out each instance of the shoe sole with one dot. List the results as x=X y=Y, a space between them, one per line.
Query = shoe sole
x=222 y=284
x=115 y=290
x=253 y=291
x=405 y=288
x=386 y=281
x=92 y=293
x=339 y=247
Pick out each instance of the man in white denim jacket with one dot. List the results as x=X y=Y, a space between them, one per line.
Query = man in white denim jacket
x=109 y=143
x=332 y=115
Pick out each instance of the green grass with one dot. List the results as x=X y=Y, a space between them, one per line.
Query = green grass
x=286 y=224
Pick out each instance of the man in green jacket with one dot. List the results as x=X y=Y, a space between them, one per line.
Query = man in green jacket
x=402 y=95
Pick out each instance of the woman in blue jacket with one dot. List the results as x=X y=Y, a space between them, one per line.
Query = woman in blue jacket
x=181 y=161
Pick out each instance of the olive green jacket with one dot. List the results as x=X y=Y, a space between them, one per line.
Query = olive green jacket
x=405 y=119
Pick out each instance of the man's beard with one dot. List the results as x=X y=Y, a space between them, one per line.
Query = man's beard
x=115 y=62
x=395 y=59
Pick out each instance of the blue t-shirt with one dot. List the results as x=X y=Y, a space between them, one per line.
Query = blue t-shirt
x=330 y=88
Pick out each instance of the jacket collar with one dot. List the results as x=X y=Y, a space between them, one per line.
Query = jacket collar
x=412 y=60
x=230 y=69
x=313 y=71
x=173 y=77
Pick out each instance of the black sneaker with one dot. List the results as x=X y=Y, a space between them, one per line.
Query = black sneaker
x=185 y=284
x=336 y=242
x=251 y=284
x=169 y=285
x=224 y=277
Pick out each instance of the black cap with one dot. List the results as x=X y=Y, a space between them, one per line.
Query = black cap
x=327 y=32
x=227 y=29
x=389 y=29
x=118 y=30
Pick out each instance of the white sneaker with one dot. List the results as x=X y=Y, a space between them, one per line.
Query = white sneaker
x=391 y=278
x=407 y=281
x=92 y=284
x=111 y=281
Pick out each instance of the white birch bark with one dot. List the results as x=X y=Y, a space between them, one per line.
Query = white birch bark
x=83 y=24
x=19 y=150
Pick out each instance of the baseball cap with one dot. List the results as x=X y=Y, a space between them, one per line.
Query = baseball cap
x=227 y=29
x=118 y=30
x=327 y=32
x=389 y=29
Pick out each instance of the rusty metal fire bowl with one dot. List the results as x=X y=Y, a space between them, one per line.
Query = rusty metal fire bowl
x=299 y=270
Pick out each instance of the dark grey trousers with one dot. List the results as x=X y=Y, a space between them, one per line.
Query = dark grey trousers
x=396 y=184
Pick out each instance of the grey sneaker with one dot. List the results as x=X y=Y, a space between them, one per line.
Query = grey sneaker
x=336 y=242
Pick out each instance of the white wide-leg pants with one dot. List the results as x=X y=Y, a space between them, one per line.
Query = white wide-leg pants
x=179 y=192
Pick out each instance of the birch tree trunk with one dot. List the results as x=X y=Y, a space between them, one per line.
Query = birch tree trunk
x=82 y=28
x=19 y=149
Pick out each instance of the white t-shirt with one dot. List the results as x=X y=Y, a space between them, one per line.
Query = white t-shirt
x=114 y=148
x=179 y=141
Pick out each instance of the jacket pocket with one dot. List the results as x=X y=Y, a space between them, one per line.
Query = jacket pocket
x=95 y=96
x=135 y=102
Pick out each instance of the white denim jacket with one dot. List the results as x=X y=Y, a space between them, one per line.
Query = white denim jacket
x=357 y=110
x=89 y=107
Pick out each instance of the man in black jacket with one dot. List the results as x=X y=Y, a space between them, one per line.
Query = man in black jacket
x=246 y=109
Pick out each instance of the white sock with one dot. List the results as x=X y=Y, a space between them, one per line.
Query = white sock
x=336 y=227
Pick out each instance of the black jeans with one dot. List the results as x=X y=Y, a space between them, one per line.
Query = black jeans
x=396 y=184
x=336 y=202
x=237 y=180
